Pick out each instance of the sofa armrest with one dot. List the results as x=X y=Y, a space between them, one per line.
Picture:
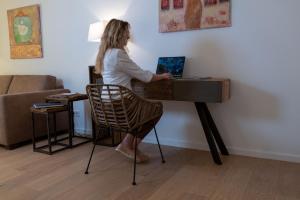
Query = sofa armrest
x=14 y=102
x=15 y=115
x=43 y=93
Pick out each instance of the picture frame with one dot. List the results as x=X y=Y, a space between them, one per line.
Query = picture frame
x=25 y=32
x=187 y=15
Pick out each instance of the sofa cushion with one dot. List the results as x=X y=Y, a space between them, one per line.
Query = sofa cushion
x=31 y=83
x=4 y=83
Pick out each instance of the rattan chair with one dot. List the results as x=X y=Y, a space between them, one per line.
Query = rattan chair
x=118 y=108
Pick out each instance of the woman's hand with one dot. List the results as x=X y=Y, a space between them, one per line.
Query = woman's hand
x=164 y=76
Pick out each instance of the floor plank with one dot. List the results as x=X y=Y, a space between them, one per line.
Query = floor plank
x=187 y=175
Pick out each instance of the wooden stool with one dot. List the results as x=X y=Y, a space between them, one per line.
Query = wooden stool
x=68 y=100
x=48 y=112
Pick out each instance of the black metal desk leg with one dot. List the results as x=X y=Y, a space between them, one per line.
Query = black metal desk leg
x=214 y=130
x=208 y=134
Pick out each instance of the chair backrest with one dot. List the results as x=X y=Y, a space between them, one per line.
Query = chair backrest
x=112 y=105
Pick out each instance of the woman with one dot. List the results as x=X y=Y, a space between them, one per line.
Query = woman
x=117 y=68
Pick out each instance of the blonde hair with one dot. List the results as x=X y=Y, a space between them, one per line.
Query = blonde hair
x=115 y=35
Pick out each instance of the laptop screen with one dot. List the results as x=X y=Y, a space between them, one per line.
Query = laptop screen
x=172 y=65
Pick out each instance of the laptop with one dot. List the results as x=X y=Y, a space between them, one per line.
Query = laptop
x=172 y=65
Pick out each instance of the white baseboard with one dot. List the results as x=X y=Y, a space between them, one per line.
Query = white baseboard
x=232 y=150
x=265 y=154
x=176 y=143
x=201 y=146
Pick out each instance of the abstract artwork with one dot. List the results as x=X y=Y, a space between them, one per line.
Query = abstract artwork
x=25 y=32
x=178 y=4
x=165 y=4
x=182 y=15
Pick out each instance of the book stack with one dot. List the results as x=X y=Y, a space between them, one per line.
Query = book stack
x=63 y=95
x=47 y=105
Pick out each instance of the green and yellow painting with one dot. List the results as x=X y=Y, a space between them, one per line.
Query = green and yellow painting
x=25 y=32
x=23 y=29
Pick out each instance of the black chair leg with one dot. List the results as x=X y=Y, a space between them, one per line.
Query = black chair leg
x=134 y=165
x=161 y=154
x=87 y=168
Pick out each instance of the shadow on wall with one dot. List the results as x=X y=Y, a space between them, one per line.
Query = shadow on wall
x=207 y=57
x=240 y=119
x=248 y=102
x=252 y=102
x=180 y=124
x=210 y=58
x=237 y=118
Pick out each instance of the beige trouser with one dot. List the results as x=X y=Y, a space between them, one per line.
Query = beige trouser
x=152 y=111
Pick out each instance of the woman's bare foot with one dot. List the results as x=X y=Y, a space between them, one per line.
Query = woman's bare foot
x=129 y=153
x=143 y=157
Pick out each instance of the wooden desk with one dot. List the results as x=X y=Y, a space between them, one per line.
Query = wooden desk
x=200 y=91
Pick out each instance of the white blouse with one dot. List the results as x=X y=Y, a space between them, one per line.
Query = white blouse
x=119 y=69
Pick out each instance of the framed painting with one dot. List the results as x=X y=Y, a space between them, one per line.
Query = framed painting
x=194 y=14
x=25 y=32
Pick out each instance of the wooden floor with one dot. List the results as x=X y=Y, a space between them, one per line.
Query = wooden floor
x=187 y=175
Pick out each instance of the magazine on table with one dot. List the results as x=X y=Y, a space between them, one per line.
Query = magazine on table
x=63 y=95
x=48 y=105
x=67 y=94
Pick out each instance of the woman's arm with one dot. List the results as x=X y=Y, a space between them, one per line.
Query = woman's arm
x=126 y=65
x=158 y=77
x=132 y=69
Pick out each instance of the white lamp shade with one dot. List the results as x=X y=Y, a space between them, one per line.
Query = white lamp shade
x=95 y=31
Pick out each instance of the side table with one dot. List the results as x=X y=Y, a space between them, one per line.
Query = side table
x=48 y=112
x=68 y=100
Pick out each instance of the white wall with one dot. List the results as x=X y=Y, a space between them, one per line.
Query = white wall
x=259 y=53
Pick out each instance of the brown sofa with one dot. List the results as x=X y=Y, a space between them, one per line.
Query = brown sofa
x=17 y=94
